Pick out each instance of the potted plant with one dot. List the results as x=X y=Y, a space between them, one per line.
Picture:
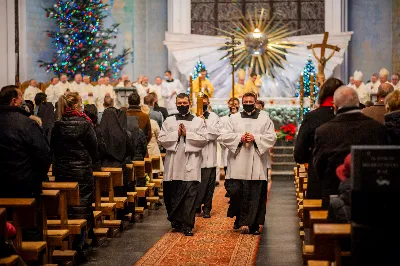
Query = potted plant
x=286 y=133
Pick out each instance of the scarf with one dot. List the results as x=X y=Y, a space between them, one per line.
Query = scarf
x=69 y=112
x=327 y=102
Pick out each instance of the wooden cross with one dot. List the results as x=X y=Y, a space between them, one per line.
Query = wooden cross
x=321 y=59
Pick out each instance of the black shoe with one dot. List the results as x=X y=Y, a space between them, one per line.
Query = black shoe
x=176 y=227
x=188 y=231
x=198 y=210
x=236 y=226
x=80 y=256
x=206 y=214
x=254 y=230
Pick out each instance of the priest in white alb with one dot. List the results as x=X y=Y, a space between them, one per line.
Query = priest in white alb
x=156 y=88
x=88 y=91
x=64 y=85
x=209 y=160
x=104 y=89
x=53 y=92
x=76 y=85
x=373 y=85
x=249 y=136
x=169 y=89
x=31 y=91
x=360 y=87
x=384 y=75
x=395 y=81
x=183 y=136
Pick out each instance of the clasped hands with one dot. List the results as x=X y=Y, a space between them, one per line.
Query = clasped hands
x=182 y=130
x=247 y=138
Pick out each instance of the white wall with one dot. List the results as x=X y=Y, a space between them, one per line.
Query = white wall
x=7 y=43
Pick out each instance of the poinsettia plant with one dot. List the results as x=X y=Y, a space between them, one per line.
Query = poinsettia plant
x=286 y=132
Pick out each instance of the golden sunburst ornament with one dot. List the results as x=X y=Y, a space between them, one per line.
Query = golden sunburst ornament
x=263 y=44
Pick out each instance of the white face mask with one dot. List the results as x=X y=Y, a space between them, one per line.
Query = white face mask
x=166 y=78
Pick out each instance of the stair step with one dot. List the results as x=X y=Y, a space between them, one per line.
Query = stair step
x=276 y=158
x=282 y=175
x=63 y=254
x=282 y=150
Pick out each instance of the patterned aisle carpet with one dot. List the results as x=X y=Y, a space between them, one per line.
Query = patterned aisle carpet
x=214 y=242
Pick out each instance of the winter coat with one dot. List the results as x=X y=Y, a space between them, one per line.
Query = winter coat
x=25 y=154
x=392 y=123
x=74 y=146
x=339 y=210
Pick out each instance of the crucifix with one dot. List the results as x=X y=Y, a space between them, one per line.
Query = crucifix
x=321 y=59
x=231 y=44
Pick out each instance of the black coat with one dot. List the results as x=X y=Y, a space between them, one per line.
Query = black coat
x=74 y=146
x=25 y=154
x=392 y=123
x=305 y=144
x=333 y=141
x=340 y=207
x=46 y=113
x=162 y=110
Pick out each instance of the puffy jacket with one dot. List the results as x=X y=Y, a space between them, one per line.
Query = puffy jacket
x=392 y=123
x=25 y=154
x=74 y=147
x=339 y=210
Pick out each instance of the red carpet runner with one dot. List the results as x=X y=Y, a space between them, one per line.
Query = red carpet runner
x=214 y=242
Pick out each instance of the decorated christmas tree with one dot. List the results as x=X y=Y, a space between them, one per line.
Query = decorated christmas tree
x=308 y=69
x=81 y=42
x=196 y=70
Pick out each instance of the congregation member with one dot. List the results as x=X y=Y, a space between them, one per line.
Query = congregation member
x=333 y=140
x=183 y=136
x=392 y=118
x=239 y=86
x=250 y=85
x=304 y=145
x=76 y=85
x=88 y=91
x=359 y=86
x=74 y=147
x=209 y=160
x=249 y=136
x=203 y=84
x=233 y=105
x=395 y=81
x=31 y=91
x=170 y=88
x=91 y=111
x=63 y=85
x=158 y=107
x=378 y=110
x=135 y=110
x=373 y=85
x=157 y=90
x=155 y=115
x=45 y=111
x=53 y=91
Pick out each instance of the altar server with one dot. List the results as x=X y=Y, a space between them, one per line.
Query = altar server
x=250 y=134
x=169 y=89
x=209 y=160
x=183 y=136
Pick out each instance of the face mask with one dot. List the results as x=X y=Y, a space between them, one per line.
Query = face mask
x=183 y=109
x=249 y=107
x=205 y=107
x=166 y=78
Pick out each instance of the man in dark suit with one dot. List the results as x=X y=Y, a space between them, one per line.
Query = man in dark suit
x=378 y=110
x=158 y=108
x=333 y=140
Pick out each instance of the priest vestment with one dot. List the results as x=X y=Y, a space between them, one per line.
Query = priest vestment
x=182 y=173
x=88 y=89
x=77 y=87
x=247 y=166
x=250 y=86
x=101 y=92
x=206 y=87
x=171 y=86
x=30 y=93
x=239 y=91
x=209 y=163
x=53 y=93
x=64 y=87
x=363 y=93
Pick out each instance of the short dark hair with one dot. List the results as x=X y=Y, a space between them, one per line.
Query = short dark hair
x=8 y=93
x=261 y=102
x=30 y=106
x=108 y=102
x=148 y=99
x=126 y=82
x=168 y=71
x=203 y=70
x=233 y=100
x=153 y=94
x=91 y=111
x=328 y=88
x=253 y=74
x=134 y=98
x=250 y=94
x=40 y=98
x=182 y=96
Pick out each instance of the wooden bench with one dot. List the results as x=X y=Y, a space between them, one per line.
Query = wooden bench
x=11 y=260
x=131 y=173
x=25 y=208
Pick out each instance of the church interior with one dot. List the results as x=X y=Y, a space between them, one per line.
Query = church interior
x=199 y=132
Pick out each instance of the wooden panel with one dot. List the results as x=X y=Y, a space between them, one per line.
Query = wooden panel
x=16 y=202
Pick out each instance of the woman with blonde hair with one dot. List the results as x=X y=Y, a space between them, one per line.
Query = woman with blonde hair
x=392 y=118
x=74 y=147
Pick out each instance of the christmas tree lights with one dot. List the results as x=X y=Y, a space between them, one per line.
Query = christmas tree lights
x=82 y=43
x=308 y=69
x=196 y=70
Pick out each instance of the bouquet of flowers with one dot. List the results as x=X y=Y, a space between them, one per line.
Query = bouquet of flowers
x=286 y=132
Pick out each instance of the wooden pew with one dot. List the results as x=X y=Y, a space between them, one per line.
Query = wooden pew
x=25 y=207
x=10 y=260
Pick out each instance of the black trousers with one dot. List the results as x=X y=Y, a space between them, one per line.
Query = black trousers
x=180 y=201
x=206 y=188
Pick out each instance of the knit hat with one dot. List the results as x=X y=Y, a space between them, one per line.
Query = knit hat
x=343 y=170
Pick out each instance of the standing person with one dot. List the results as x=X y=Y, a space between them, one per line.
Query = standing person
x=206 y=86
x=74 y=146
x=304 y=145
x=88 y=91
x=31 y=91
x=45 y=111
x=359 y=86
x=158 y=107
x=144 y=88
x=250 y=134
x=170 y=88
x=209 y=160
x=239 y=86
x=135 y=110
x=63 y=85
x=250 y=85
x=104 y=89
x=53 y=91
x=378 y=110
x=395 y=81
x=76 y=85
x=373 y=85
x=91 y=111
x=233 y=105
x=155 y=115
x=157 y=90
x=183 y=136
